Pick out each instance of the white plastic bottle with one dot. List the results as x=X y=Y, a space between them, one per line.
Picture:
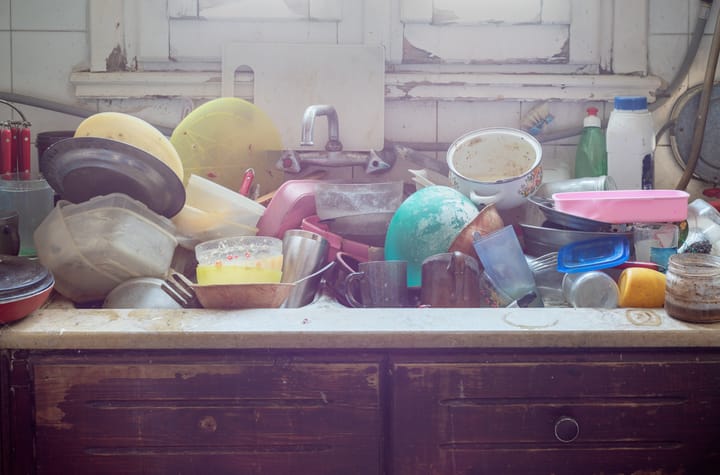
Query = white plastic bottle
x=630 y=139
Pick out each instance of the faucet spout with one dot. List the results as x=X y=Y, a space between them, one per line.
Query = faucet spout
x=308 y=124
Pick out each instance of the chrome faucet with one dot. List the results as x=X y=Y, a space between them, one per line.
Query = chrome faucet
x=308 y=123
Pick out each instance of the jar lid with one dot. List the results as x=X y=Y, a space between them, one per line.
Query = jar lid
x=21 y=275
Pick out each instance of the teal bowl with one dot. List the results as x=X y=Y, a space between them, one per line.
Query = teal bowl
x=425 y=224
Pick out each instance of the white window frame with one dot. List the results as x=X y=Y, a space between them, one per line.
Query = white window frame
x=140 y=29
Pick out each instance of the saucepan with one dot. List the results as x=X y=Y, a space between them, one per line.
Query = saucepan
x=496 y=165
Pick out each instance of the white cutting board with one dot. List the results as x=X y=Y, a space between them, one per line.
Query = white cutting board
x=290 y=77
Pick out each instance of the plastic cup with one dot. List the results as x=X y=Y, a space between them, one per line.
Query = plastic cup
x=593 y=289
x=505 y=264
x=641 y=287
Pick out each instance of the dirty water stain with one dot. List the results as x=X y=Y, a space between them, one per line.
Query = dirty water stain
x=528 y=322
x=643 y=318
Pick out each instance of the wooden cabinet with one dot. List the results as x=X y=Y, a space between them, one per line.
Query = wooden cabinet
x=194 y=413
x=557 y=413
x=392 y=412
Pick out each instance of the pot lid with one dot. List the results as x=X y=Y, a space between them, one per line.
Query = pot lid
x=18 y=275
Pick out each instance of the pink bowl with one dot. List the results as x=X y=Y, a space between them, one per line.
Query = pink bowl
x=625 y=206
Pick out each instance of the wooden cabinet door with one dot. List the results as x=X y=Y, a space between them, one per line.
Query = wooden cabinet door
x=619 y=413
x=205 y=414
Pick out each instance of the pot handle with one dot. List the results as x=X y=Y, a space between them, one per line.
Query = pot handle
x=483 y=200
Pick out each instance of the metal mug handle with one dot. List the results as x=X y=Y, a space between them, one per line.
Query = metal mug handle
x=350 y=281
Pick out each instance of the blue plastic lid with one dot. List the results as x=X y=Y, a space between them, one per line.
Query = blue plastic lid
x=630 y=103
x=593 y=254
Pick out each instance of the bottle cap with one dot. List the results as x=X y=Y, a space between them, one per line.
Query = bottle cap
x=592 y=120
x=631 y=103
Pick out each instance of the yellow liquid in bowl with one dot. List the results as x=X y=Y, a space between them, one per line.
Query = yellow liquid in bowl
x=264 y=271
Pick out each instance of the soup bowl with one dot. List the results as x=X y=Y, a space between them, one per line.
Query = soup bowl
x=496 y=165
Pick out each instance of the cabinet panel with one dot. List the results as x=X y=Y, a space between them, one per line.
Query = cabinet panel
x=596 y=415
x=166 y=416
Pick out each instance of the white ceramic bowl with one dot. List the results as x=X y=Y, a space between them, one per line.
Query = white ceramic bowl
x=496 y=165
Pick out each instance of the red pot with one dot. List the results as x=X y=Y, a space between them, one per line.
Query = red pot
x=25 y=285
x=11 y=310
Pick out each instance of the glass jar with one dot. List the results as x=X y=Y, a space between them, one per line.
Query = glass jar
x=692 y=288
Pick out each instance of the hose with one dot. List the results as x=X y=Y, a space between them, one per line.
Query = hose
x=662 y=95
x=703 y=107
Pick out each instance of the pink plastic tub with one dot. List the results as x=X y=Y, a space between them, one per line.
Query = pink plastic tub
x=625 y=206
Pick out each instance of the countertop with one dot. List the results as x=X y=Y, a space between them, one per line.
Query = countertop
x=325 y=324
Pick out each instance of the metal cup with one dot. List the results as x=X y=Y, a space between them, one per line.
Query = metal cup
x=381 y=283
x=451 y=279
x=304 y=253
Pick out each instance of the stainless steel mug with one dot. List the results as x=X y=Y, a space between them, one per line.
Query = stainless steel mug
x=451 y=279
x=304 y=253
x=381 y=284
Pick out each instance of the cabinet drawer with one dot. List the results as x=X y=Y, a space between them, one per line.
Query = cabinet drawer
x=548 y=416
x=258 y=416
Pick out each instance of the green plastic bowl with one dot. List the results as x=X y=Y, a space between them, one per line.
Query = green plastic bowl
x=425 y=224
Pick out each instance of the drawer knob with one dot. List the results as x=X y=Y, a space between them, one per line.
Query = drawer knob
x=567 y=429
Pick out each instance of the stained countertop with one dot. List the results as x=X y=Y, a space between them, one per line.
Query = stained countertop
x=325 y=324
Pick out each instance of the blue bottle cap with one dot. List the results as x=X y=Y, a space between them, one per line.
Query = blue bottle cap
x=630 y=103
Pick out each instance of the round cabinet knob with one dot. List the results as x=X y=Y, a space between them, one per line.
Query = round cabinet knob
x=567 y=429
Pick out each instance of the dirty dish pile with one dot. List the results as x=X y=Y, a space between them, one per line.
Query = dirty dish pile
x=93 y=246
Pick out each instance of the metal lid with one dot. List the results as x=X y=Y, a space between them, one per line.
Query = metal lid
x=20 y=275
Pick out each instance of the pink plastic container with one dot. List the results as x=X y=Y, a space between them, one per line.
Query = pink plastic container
x=625 y=206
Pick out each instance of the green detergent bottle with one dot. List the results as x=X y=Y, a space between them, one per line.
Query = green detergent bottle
x=591 y=153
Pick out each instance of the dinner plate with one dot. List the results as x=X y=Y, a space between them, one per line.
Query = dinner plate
x=222 y=138
x=81 y=168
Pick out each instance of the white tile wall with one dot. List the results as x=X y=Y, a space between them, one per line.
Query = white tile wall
x=67 y=15
x=4 y=14
x=49 y=41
